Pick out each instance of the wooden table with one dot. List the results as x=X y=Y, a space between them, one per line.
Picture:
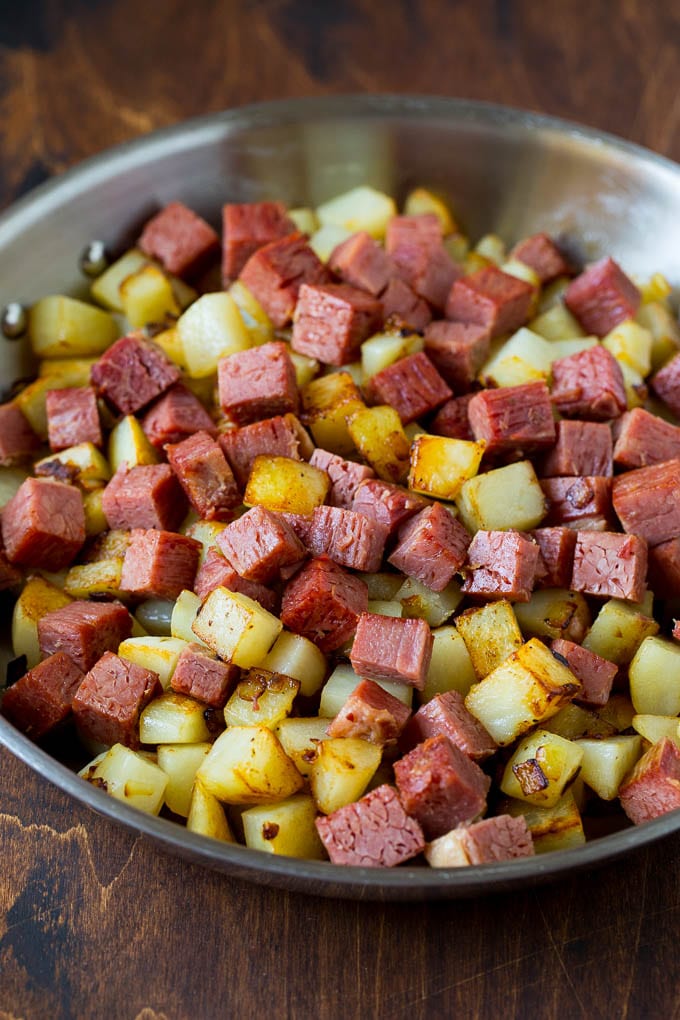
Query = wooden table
x=97 y=924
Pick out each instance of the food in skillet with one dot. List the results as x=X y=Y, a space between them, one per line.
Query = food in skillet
x=367 y=548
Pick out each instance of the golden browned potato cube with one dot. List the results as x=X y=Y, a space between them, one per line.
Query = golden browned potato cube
x=206 y=815
x=417 y=600
x=554 y=613
x=130 y=776
x=61 y=327
x=631 y=344
x=491 y=633
x=659 y=320
x=573 y=722
x=263 y=698
x=556 y=324
x=286 y=485
x=440 y=466
x=341 y=771
x=655 y=727
x=247 y=765
x=88 y=463
x=147 y=296
x=255 y=319
x=619 y=629
x=173 y=719
x=552 y=828
x=422 y=200
x=379 y=437
x=37 y=598
x=300 y=738
x=99 y=578
x=106 y=288
x=286 y=828
x=93 y=508
x=541 y=767
x=328 y=402
x=236 y=627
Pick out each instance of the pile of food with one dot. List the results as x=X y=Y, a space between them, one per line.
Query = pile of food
x=364 y=544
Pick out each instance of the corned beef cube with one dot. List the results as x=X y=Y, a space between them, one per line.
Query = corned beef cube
x=72 y=417
x=174 y=416
x=282 y=436
x=10 y=576
x=403 y=308
x=421 y=228
x=109 y=701
x=347 y=537
x=301 y=524
x=447 y=715
x=392 y=648
x=541 y=254
x=345 y=476
x=501 y=838
x=653 y=787
x=203 y=676
x=332 y=321
x=18 y=441
x=373 y=832
x=581 y=448
x=440 y=786
x=457 y=350
x=180 y=239
x=647 y=501
x=386 y=503
x=132 y=373
x=205 y=476
x=556 y=550
x=145 y=496
x=323 y=602
x=370 y=713
x=160 y=563
x=42 y=698
x=491 y=298
x=602 y=297
x=664 y=569
x=589 y=385
x=245 y=228
x=513 y=418
x=275 y=273
x=578 y=502
x=412 y=385
x=676 y=630
x=362 y=262
x=501 y=565
x=257 y=383
x=259 y=543
x=217 y=572
x=595 y=673
x=414 y=245
x=432 y=547
x=43 y=525
x=452 y=419
x=84 y=630
x=606 y=563
x=643 y=439
x=666 y=384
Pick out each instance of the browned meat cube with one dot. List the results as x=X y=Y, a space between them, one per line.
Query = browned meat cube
x=370 y=713
x=457 y=350
x=203 y=676
x=666 y=384
x=403 y=308
x=664 y=569
x=217 y=572
x=362 y=262
x=180 y=239
x=41 y=699
x=452 y=419
x=10 y=576
x=259 y=543
x=589 y=385
x=412 y=385
x=595 y=673
x=275 y=273
x=18 y=441
x=386 y=503
x=72 y=417
x=541 y=254
x=332 y=321
x=647 y=501
x=109 y=701
x=491 y=298
x=432 y=547
x=145 y=496
x=392 y=648
x=643 y=439
x=501 y=838
x=606 y=563
x=345 y=476
x=581 y=448
x=501 y=565
x=43 y=525
x=257 y=383
x=347 y=537
x=323 y=602
x=440 y=786
x=556 y=550
x=132 y=373
x=247 y=227
x=602 y=297
x=174 y=416
x=513 y=418
x=414 y=245
x=447 y=715
x=578 y=502
x=84 y=630
x=281 y=436
x=205 y=476
x=374 y=832
x=653 y=787
x=159 y=563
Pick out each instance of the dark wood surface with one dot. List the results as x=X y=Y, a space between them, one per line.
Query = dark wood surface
x=95 y=923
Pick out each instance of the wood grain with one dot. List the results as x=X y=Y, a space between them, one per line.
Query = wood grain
x=95 y=923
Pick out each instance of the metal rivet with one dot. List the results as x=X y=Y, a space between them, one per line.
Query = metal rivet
x=94 y=259
x=14 y=321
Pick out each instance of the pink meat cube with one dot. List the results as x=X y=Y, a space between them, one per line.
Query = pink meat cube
x=595 y=673
x=257 y=383
x=18 y=441
x=323 y=602
x=159 y=563
x=345 y=476
x=432 y=547
x=647 y=501
x=205 y=476
x=664 y=569
x=275 y=273
x=581 y=448
x=541 y=254
x=666 y=384
x=217 y=572
x=643 y=439
x=392 y=648
x=72 y=417
x=347 y=537
x=180 y=239
x=145 y=496
x=332 y=321
x=653 y=787
x=414 y=245
x=606 y=563
x=201 y=675
x=452 y=419
x=43 y=525
x=501 y=838
x=578 y=502
x=132 y=373
x=386 y=503
x=676 y=630
x=373 y=832
x=41 y=699
x=457 y=350
x=447 y=715
x=602 y=297
x=282 y=436
x=174 y=416
x=412 y=385
x=513 y=418
x=440 y=786
x=491 y=298
x=501 y=565
x=589 y=385
x=245 y=228
x=259 y=543
x=370 y=713
x=109 y=701
x=362 y=262
x=84 y=630
x=402 y=308
x=556 y=550
x=301 y=524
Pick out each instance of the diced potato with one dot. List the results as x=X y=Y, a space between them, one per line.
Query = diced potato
x=659 y=320
x=528 y=688
x=304 y=219
x=521 y=271
x=170 y=343
x=298 y=657
x=554 y=613
x=286 y=485
x=574 y=721
x=159 y=654
x=37 y=598
x=552 y=828
x=384 y=607
x=541 y=767
x=448 y=851
x=379 y=437
x=458 y=246
x=300 y=739
x=184 y=613
x=634 y=385
x=31 y=399
x=324 y=240
x=382 y=585
x=263 y=698
x=450 y=667
x=306 y=368
x=440 y=466
x=608 y=761
x=111 y=545
x=209 y=330
x=147 y=296
x=11 y=480
x=255 y=319
x=656 y=288
x=106 y=288
x=130 y=776
x=173 y=719
x=525 y=357
x=492 y=248
x=419 y=601
x=286 y=828
x=361 y=208
x=181 y=762
x=129 y=445
x=341 y=771
x=61 y=327
x=247 y=765
x=206 y=533
x=565 y=348
x=207 y=816
x=99 y=578
x=655 y=727
x=236 y=627
x=631 y=344
x=654 y=675
x=505 y=498
x=553 y=294
x=618 y=712
x=384 y=349
x=93 y=508
x=618 y=631
x=343 y=681
x=421 y=200
x=328 y=402
x=491 y=633
x=85 y=458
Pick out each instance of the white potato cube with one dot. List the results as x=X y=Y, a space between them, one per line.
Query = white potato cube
x=361 y=208
x=236 y=627
x=607 y=762
x=180 y=762
x=525 y=357
x=326 y=239
x=655 y=727
x=207 y=816
x=247 y=765
x=37 y=598
x=505 y=498
x=341 y=771
x=435 y=607
x=255 y=319
x=129 y=445
x=300 y=738
x=450 y=667
x=159 y=654
x=298 y=657
x=654 y=675
x=147 y=296
x=130 y=776
x=448 y=851
x=631 y=344
x=541 y=767
x=556 y=324
x=211 y=329
x=554 y=613
x=61 y=327
x=384 y=349
x=619 y=629
x=262 y=699
x=173 y=719
x=342 y=682
x=184 y=613
x=286 y=828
